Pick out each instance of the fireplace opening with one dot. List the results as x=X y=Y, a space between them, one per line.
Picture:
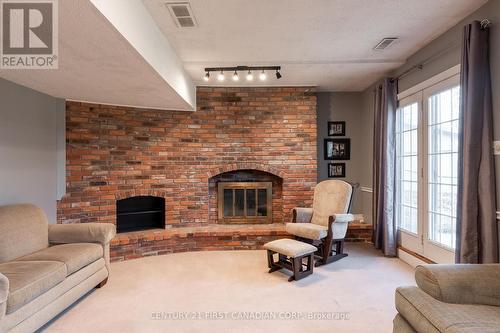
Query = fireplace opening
x=245 y=202
x=140 y=213
x=245 y=196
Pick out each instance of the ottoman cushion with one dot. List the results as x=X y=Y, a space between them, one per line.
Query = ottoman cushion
x=290 y=247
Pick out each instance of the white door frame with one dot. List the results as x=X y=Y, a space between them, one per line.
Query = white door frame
x=420 y=242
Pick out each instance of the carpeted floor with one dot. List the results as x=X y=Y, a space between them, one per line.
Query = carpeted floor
x=232 y=292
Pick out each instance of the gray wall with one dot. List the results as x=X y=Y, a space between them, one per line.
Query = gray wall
x=32 y=148
x=451 y=41
x=348 y=107
x=453 y=38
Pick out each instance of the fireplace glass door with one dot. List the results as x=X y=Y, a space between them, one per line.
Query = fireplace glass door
x=245 y=202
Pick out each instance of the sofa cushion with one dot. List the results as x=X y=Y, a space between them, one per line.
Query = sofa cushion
x=23 y=230
x=307 y=230
x=426 y=314
x=75 y=255
x=290 y=247
x=30 y=279
x=330 y=197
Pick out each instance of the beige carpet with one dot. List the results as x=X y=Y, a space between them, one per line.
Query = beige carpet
x=355 y=294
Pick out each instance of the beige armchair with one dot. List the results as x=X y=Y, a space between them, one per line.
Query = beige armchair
x=450 y=298
x=45 y=268
x=325 y=224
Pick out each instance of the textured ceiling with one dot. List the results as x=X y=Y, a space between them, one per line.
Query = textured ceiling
x=97 y=64
x=323 y=43
x=328 y=43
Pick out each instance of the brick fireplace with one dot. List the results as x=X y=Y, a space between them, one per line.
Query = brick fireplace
x=115 y=153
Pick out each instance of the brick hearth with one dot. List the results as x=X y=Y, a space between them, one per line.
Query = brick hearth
x=210 y=237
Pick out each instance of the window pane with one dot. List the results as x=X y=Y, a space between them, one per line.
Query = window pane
x=228 y=202
x=239 y=202
x=434 y=167
x=443 y=165
x=414 y=221
x=407 y=149
x=407 y=118
x=414 y=142
x=407 y=168
x=446 y=176
x=414 y=115
x=406 y=194
x=414 y=168
x=434 y=139
x=454 y=164
x=454 y=131
x=251 y=202
x=445 y=105
x=445 y=136
x=455 y=110
x=262 y=210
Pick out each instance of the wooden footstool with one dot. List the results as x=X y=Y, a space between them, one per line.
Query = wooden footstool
x=291 y=255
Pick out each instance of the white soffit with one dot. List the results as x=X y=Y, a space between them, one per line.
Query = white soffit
x=112 y=52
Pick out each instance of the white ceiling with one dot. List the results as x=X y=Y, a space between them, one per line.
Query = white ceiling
x=97 y=63
x=131 y=52
x=327 y=43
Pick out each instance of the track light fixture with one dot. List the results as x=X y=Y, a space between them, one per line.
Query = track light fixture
x=220 y=77
x=262 y=76
x=248 y=69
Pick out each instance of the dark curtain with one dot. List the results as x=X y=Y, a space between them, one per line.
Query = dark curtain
x=477 y=235
x=384 y=162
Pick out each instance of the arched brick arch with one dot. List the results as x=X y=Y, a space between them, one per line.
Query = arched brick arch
x=246 y=166
x=139 y=192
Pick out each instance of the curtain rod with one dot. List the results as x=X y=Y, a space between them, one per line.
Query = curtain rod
x=421 y=65
x=485 y=23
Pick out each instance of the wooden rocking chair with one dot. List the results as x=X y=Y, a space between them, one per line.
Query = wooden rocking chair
x=325 y=224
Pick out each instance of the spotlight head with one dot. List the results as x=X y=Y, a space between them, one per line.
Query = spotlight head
x=262 y=76
x=207 y=76
x=278 y=74
x=235 y=76
x=220 y=77
x=249 y=76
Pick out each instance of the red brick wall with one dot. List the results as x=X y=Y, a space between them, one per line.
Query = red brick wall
x=116 y=152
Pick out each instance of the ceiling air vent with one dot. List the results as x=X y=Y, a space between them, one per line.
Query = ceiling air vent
x=385 y=43
x=182 y=14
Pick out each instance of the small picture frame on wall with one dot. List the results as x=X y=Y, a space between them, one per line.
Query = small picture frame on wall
x=336 y=170
x=337 y=149
x=336 y=128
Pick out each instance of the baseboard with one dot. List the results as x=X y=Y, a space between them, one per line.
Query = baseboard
x=411 y=258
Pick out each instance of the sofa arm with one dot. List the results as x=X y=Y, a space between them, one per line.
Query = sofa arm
x=461 y=283
x=101 y=233
x=4 y=293
x=302 y=215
